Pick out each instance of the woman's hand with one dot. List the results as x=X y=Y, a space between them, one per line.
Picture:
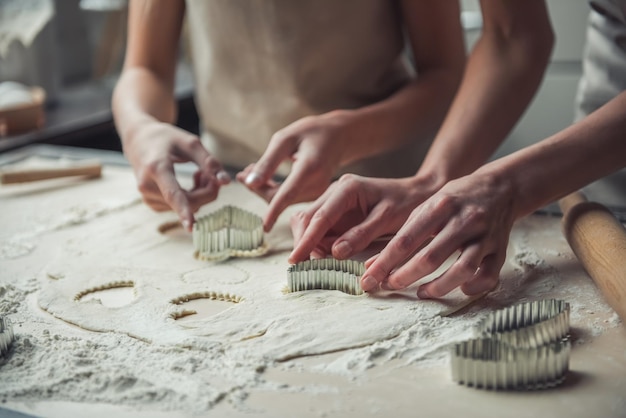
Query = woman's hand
x=153 y=150
x=315 y=145
x=352 y=213
x=474 y=215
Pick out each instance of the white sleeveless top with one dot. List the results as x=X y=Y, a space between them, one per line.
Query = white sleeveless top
x=604 y=77
x=260 y=65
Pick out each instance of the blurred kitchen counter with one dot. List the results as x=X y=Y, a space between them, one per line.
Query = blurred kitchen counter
x=81 y=116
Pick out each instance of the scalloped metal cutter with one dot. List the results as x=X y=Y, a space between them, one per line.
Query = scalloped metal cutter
x=228 y=232
x=6 y=335
x=523 y=347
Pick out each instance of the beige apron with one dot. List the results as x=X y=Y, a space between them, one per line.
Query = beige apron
x=261 y=64
x=604 y=77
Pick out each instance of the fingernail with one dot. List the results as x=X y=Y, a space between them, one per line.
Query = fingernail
x=386 y=286
x=316 y=254
x=422 y=293
x=252 y=178
x=223 y=177
x=368 y=283
x=186 y=225
x=343 y=250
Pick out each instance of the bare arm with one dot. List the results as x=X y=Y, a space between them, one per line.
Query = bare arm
x=504 y=70
x=144 y=109
x=474 y=214
x=145 y=90
x=502 y=74
x=586 y=151
x=319 y=145
x=416 y=111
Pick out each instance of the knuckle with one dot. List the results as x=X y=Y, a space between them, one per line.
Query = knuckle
x=144 y=185
x=436 y=289
x=445 y=203
x=349 y=181
x=280 y=136
x=380 y=269
x=300 y=217
x=404 y=243
x=358 y=233
x=322 y=218
x=193 y=142
x=477 y=216
x=429 y=259
x=465 y=268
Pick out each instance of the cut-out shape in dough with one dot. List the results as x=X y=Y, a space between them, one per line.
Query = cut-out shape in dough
x=112 y=295
x=223 y=274
x=203 y=304
x=168 y=227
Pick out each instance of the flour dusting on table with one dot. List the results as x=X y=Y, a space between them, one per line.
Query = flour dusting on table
x=79 y=349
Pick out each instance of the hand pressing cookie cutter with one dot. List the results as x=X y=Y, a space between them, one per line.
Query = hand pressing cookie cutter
x=6 y=335
x=326 y=274
x=524 y=347
x=228 y=232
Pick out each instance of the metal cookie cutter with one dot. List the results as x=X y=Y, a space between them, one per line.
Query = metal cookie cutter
x=326 y=274
x=522 y=347
x=228 y=232
x=6 y=335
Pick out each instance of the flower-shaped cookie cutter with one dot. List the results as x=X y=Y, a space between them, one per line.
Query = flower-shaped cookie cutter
x=6 y=335
x=326 y=274
x=228 y=232
x=522 y=347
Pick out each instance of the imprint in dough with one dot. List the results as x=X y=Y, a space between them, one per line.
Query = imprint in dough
x=112 y=295
x=222 y=274
x=203 y=304
x=174 y=231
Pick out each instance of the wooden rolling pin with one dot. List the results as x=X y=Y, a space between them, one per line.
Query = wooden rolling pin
x=89 y=170
x=599 y=241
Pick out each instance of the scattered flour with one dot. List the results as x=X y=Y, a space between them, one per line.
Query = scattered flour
x=137 y=354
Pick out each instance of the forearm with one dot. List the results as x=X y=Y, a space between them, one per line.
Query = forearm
x=141 y=97
x=414 y=113
x=144 y=92
x=503 y=73
x=550 y=169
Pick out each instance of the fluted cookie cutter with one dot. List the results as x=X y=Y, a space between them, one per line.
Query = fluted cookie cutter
x=228 y=232
x=326 y=274
x=523 y=347
x=6 y=335
x=529 y=324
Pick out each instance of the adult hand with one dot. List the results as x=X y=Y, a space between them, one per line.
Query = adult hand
x=352 y=213
x=153 y=150
x=474 y=215
x=315 y=145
